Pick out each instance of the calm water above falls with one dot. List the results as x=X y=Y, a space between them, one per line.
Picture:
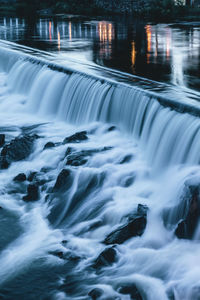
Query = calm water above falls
x=165 y=53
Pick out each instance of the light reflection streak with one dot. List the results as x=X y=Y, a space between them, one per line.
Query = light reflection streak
x=70 y=31
x=50 y=37
x=58 y=40
x=133 y=54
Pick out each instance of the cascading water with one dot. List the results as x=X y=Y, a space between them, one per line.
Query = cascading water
x=107 y=206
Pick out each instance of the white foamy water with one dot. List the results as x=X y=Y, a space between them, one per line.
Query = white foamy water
x=149 y=159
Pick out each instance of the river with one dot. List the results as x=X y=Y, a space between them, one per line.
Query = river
x=99 y=163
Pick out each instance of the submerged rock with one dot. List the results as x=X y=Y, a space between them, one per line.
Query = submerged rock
x=49 y=145
x=135 y=227
x=63 y=181
x=20 y=178
x=2 y=139
x=131 y=289
x=106 y=258
x=18 y=149
x=95 y=293
x=76 y=159
x=80 y=158
x=32 y=193
x=76 y=138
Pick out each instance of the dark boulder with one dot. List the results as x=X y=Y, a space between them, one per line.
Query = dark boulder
x=76 y=138
x=18 y=149
x=76 y=159
x=32 y=193
x=49 y=145
x=106 y=258
x=130 y=289
x=95 y=293
x=187 y=226
x=4 y=164
x=134 y=227
x=112 y=128
x=20 y=178
x=2 y=139
x=32 y=176
x=63 y=181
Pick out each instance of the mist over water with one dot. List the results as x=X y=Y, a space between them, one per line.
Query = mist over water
x=113 y=170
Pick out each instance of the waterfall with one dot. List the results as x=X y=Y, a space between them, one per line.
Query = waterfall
x=114 y=172
x=168 y=131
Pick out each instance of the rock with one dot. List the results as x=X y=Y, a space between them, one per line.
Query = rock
x=63 y=181
x=131 y=290
x=49 y=145
x=76 y=159
x=2 y=139
x=45 y=169
x=32 y=176
x=81 y=157
x=105 y=258
x=125 y=232
x=126 y=159
x=95 y=293
x=112 y=128
x=142 y=210
x=76 y=138
x=20 y=177
x=59 y=254
x=32 y=193
x=186 y=227
x=135 y=227
x=18 y=149
x=4 y=164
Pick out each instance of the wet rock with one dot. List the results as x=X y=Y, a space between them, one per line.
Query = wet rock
x=186 y=227
x=106 y=257
x=32 y=193
x=76 y=159
x=112 y=128
x=95 y=293
x=2 y=139
x=32 y=176
x=63 y=181
x=59 y=254
x=4 y=164
x=69 y=151
x=45 y=169
x=131 y=289
x=49 y=145
x=80 y=158
x=135 y=227
x=76 y=138
x=18 y=149
x=142 y=210
x=126 y=159
x=20 y=178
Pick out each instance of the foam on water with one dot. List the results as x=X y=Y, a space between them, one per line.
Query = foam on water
x=150 y=158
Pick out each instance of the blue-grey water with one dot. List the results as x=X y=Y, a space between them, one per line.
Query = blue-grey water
x=102 y=118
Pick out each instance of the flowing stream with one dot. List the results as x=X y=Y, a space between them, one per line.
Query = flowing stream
x=104 y=155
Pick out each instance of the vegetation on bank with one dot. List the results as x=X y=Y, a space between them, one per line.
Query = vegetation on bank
x=147 y=9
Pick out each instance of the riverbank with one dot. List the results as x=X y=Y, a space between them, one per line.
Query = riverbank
x=157 y=10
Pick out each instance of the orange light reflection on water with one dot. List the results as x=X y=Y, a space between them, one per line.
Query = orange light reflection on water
x=58 y=40
x=50 y=37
